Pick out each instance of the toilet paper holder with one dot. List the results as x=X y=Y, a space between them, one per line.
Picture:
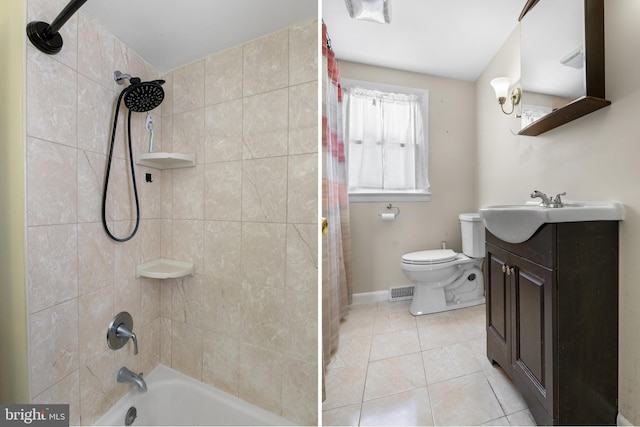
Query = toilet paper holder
x=390 y=207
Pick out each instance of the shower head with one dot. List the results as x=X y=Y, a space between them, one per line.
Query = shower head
x=144 y=96
x=140 y=96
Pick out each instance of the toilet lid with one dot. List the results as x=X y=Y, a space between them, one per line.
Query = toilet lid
x=434 y=256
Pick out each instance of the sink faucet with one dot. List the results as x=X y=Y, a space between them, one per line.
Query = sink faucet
x=554 y=202
x=126 y=376
x=546 y=201
x=557 y=201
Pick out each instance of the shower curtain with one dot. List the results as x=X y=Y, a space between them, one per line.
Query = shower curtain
x=336 y=244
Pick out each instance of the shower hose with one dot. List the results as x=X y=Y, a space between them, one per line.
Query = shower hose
x=108 y=173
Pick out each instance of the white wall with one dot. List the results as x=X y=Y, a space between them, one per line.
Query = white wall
x=378 y=246
x=592 y=158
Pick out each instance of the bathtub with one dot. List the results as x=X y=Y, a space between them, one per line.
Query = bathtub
x=174 y=399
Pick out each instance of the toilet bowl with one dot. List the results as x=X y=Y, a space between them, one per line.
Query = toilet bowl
x=445 y=280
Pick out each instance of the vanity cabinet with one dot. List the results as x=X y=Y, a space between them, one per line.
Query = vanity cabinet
x=552 y=319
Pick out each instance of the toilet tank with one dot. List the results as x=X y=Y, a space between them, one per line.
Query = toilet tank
x=472 y=229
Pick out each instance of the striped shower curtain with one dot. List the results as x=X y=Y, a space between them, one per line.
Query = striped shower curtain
x=336 y=244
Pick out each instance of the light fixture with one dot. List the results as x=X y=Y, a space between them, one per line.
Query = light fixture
x=501 y=86
x=370 y=10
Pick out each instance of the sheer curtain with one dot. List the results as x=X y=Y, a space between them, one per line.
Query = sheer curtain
x=386 y=142
x=336 y=244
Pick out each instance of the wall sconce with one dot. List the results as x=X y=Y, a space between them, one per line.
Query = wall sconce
x=370 y=10
x=501 y=86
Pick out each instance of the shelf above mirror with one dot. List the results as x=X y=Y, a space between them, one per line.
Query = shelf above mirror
x=574 y=110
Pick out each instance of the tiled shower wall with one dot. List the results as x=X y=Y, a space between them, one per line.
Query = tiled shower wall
x=78 y=279
x=246 y=215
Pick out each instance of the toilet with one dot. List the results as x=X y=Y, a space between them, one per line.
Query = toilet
x=445 y=280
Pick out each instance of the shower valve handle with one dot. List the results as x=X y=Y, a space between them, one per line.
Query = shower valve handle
x=123 y=332
x=120 y=330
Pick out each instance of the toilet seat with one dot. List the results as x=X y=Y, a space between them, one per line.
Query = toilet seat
x=429 y=257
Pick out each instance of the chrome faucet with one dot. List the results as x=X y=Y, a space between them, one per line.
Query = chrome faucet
x=546 y=201
x=126 y=376
x=554 y=202
x=557 y=201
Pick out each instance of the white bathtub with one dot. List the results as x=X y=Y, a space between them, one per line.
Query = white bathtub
x=174 y=399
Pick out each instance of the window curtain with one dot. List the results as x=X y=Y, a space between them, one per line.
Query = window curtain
x=336 y=243
x=385 y=138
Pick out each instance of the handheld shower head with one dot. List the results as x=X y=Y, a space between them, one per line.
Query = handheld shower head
x=144 y=96
x=140 y=97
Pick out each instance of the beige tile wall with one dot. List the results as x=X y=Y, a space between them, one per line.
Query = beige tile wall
x=77 y=278
x=245 y=215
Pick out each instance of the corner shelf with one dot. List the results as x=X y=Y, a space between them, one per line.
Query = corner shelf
x=164 y=269
x=166 y=160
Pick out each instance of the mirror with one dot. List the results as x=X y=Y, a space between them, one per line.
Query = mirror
x=562 y=62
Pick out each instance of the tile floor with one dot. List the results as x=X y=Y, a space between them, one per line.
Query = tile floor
x=392 y=368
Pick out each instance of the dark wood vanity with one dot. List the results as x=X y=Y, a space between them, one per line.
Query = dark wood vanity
x=552 y=320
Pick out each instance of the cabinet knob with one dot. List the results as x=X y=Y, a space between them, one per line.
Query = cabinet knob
x=504 y=268
x=511 y=271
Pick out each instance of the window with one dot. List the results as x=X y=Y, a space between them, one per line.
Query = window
x=385 y=134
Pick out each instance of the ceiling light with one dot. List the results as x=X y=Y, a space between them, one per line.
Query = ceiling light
x=370 y=10
x=501 y=86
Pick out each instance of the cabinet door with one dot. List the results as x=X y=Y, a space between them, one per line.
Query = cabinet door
x=532 y=345
x=498 y=307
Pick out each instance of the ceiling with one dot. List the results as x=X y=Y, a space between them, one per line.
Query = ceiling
x=171 y=33
x=447 y=38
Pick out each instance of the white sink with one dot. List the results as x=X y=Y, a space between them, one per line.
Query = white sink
x=517 y=223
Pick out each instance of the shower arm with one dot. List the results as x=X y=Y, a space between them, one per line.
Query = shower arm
x=47 y=37
x=120 y=77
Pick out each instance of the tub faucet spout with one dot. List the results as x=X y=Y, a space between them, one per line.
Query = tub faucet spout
x=126 y=376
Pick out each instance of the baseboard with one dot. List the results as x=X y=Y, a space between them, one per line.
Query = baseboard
x=369 y=297
x=622 y=421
